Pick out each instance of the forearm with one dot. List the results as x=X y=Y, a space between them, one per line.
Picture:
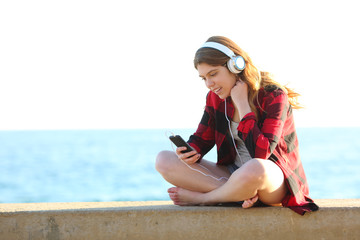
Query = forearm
x=239 y=96
x=243 y=109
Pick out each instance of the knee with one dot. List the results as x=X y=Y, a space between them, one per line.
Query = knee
x=162 y=161
x=253 y=172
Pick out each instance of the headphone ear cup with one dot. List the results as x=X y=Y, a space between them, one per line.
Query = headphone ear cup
x=231 y=66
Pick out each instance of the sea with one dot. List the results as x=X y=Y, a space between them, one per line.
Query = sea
x=118 y=165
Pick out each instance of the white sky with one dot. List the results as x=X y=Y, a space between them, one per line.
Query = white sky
x=76 y=64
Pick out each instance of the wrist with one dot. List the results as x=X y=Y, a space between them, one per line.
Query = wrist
x=243 y=110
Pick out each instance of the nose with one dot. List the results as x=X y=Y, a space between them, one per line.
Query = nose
x=209 y=83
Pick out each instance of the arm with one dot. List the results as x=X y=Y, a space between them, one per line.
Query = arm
x=203 y=139
x=262 y=142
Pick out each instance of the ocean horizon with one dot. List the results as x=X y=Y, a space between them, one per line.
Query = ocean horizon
x=118 y=165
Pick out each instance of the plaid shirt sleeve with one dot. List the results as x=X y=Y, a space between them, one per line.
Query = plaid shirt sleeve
x=262 y=142
x=203 y=140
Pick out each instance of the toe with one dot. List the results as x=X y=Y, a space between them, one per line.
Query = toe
x=173 y=190
x=173 y=196
x=250 y=202
x=246 y=204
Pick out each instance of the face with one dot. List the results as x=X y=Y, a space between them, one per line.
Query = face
x=217 y=78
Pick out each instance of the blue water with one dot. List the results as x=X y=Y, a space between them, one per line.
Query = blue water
x=118 y=165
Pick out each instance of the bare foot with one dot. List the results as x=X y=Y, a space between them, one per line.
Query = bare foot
x=184 y=197
x=250 y=202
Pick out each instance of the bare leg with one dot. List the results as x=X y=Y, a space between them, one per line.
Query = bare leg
x=177 y=173
x=258 y=177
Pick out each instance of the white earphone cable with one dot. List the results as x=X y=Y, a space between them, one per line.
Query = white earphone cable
x=199 y=171
x=232 y=136
x=233 y=140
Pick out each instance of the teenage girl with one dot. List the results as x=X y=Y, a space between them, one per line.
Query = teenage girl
x=248 y=116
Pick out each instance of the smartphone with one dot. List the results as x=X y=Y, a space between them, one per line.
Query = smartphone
x=179 y=142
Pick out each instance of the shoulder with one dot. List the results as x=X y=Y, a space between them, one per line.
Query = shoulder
x=272 y=91
x=270 y=97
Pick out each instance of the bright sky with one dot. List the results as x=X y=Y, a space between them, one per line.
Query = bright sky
x=91 y=64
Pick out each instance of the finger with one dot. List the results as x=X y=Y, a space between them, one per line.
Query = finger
x=189 y=154
x=192 y=159
x=179 y=150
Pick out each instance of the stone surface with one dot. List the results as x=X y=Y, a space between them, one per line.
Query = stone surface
x=336 y=219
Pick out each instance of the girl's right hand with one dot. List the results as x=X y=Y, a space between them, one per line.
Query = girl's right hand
x=189 y=157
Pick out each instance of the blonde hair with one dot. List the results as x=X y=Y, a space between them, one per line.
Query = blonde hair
x=254 y=78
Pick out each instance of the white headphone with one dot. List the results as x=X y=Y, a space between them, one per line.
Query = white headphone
x=235 y=64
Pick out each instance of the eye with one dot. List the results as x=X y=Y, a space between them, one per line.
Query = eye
x=213 y=74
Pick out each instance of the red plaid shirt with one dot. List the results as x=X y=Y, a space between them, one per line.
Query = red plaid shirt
x=272 y=137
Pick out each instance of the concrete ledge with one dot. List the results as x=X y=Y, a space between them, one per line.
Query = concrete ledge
x=336 y=219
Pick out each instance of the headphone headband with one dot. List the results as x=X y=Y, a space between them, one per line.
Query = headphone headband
x=219 y=47
x=235 y=64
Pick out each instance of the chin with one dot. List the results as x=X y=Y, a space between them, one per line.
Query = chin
x=222 y=96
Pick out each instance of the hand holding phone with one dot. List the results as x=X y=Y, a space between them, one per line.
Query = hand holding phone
x=180 y=142
x=188 y=154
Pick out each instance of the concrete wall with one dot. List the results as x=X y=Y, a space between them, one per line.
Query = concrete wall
x=336 y=219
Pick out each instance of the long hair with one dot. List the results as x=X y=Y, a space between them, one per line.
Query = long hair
x=254 y=78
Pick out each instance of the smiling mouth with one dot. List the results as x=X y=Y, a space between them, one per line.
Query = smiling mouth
x=216 y=91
